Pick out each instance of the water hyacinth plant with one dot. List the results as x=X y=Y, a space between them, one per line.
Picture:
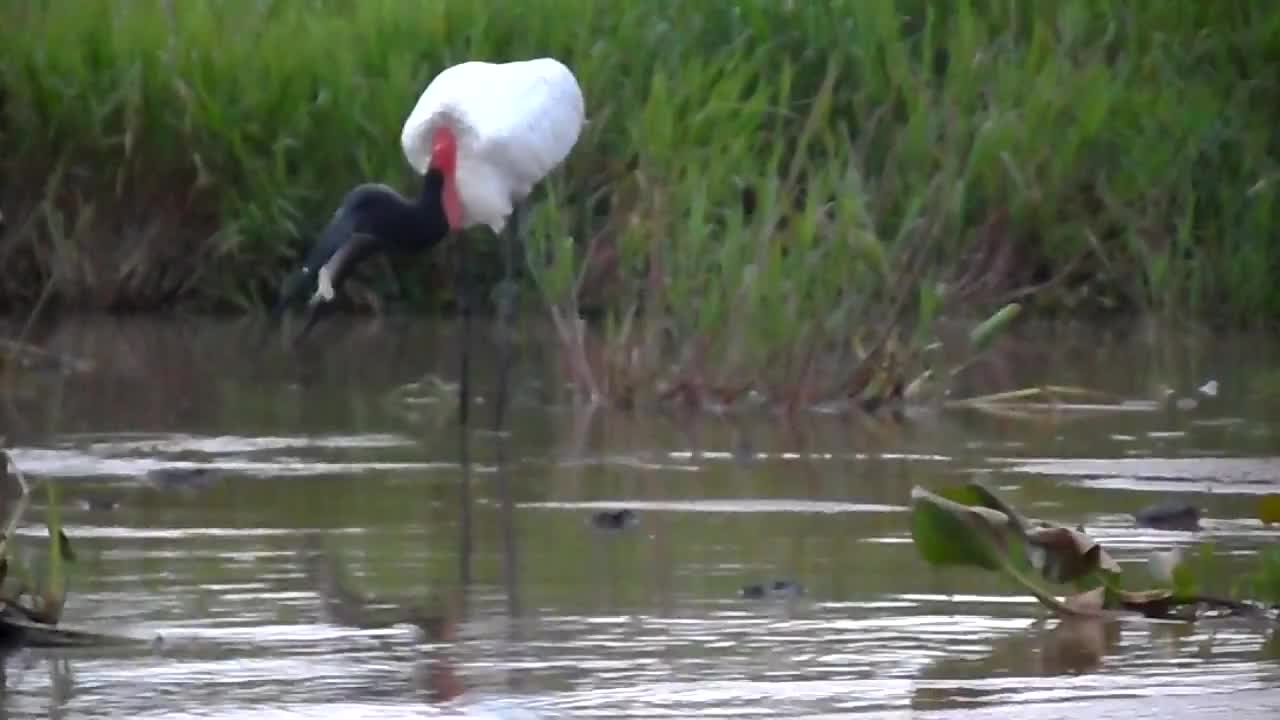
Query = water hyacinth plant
x=31 y=608
x=971 y=526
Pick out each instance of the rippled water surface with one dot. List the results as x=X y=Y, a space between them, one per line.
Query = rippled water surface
x=195 y=470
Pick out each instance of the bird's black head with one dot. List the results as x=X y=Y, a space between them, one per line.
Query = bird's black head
x=372 y=218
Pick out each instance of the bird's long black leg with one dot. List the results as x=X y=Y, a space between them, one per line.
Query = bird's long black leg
x=504 y=309
x=463 y=289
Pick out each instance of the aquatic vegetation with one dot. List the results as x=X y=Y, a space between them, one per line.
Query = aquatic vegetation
x=979 y=529
x=1264 y=582
x=971 y=526
x=30 y=610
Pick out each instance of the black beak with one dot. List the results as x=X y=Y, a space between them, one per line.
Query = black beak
x=315 y=311
x=296 y=286
x=331 y=259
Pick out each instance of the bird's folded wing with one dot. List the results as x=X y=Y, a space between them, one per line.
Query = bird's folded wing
x=523 y=116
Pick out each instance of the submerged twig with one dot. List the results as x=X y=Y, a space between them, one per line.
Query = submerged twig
x=1027 y=403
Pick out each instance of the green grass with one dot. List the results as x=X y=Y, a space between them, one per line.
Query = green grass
x=918 y=155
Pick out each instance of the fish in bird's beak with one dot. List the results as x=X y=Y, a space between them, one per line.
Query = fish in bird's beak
x=338 y=250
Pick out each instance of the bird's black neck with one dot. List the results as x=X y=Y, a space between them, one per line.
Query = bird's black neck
x=408 y=226
x=433 y=223
x=431 y=198
x=372 y=218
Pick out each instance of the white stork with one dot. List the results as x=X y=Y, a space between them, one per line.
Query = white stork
x=481 y=136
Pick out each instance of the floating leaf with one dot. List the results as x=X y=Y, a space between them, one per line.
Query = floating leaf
x=950 y=533
x=963 y=494
x=1060 y=554
x=975 y=493
x=965 y=528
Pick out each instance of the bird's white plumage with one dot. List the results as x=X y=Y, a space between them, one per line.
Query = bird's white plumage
x=514 y=123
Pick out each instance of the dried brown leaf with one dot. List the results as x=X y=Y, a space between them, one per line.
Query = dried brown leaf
x=1062 y=554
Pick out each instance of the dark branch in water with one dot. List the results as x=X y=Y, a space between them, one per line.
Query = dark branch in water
x=1192 y=604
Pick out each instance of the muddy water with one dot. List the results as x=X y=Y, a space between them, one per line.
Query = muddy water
x=352 y=445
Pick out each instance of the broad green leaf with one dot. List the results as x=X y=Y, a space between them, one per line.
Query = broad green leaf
x=1265 y=582
x=1187 y=574
x=1185 y=580
x=978 y=494
x=1059 y=554
x=951 y=533
x=970 y=525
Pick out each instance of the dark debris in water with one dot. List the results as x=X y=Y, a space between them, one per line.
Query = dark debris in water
x=98 y=503
x=615 y=519
x=19 y=630
x=1169 y=515
x=184 y=478
x=775 y=589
